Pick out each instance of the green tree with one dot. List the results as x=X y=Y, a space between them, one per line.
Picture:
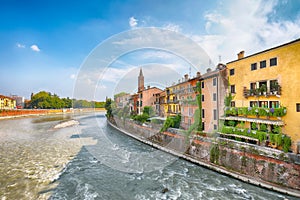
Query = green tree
x=149 y=111
x=108 y=107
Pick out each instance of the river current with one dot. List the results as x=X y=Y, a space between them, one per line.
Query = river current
x=94 y=161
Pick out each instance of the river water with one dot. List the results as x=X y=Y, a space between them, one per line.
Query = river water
x=94 y=161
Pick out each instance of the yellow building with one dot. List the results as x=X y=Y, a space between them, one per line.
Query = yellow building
x=171 y=105
x=7 y=103
x=268 y=84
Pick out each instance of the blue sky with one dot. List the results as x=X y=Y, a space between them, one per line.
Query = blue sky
x=44 y=43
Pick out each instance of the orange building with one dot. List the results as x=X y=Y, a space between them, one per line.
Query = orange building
x=187 y=100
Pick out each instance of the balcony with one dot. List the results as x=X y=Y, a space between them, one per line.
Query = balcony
x=262 y=91
x=256 y=112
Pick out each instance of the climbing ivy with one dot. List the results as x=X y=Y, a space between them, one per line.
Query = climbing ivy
x=199 y=101
x=214 y=153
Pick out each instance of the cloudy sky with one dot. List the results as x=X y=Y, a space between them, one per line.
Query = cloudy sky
x=46 y=44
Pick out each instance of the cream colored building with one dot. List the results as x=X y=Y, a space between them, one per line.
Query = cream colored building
x=7 y=103
x=269 y=79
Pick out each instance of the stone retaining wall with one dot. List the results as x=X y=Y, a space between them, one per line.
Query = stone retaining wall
x=263 y=166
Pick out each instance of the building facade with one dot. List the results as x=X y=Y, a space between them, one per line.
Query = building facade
x=147 y=97
x=213 y=86
x=122 y=100
x=20 y=101
x=7 y=103
x=267 y=83
x=187 y=100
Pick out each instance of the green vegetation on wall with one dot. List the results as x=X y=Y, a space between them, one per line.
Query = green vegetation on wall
x=108 y=107
x=171 y=122
x=214 y=153
x=255 y=111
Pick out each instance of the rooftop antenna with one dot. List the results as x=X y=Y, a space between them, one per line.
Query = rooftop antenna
x=220 y=58
x=190 y=69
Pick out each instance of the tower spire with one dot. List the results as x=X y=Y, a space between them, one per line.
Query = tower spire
x=141 y=86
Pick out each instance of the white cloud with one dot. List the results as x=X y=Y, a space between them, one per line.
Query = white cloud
x=245 y=25
x=114 y=74
x=34 y=47
x=172 y=27
x=72 y=76
x=133 y=22
x=20 y=45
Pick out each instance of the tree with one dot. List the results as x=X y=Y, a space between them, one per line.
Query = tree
x=108 y=108
x=149 y=111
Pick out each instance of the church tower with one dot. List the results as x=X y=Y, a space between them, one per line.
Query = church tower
x=141 y=81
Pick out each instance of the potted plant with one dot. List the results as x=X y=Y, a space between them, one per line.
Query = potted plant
x=263 y=89
x=276 y=87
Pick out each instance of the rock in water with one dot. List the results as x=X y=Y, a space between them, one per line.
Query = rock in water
x=165 y=190
x=67 y=124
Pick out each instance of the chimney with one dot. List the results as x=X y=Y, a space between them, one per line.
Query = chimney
x=198 y=74
x=186 y=77
x=241 y=55
x=148 y=87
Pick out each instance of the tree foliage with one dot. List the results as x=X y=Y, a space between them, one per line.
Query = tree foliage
x=46 y=100
x=108 y=107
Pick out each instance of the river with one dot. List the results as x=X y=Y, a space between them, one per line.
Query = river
x=94 y=161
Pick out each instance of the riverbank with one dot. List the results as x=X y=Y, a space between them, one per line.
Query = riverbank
x=224 y=159
x=21 y=113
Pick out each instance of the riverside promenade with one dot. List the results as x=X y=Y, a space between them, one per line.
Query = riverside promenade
x=16 y=113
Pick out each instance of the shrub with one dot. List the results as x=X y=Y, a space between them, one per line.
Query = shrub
x=261 y=136
x=173 y=122
x=263 y=127
x=263 y=112
x=231 y=123
x=253 y=126
x=141 y=118
x=287 y=142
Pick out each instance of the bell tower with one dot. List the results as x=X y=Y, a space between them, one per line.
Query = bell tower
x=141 y=86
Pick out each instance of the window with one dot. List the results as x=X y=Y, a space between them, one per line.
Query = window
x=298 y=107
x=273 y=104
x=202 y=84
x=253 y=103
x=190 y=112
x=203 y=113
x=263 y=64
x=273 y=62
x=214 y=81
x=214 y=97
x=263 y=104
x=232 y=103
x=231 y=72
x=215 y=127
x=215 y=114
x=141 y=104
x=232 y=88
x=252 y=86
x=253 y=66
x=202 y=97
x=203 y=126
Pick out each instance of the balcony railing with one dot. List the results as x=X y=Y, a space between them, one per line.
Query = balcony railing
x=262 y=92
x=255 y=111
